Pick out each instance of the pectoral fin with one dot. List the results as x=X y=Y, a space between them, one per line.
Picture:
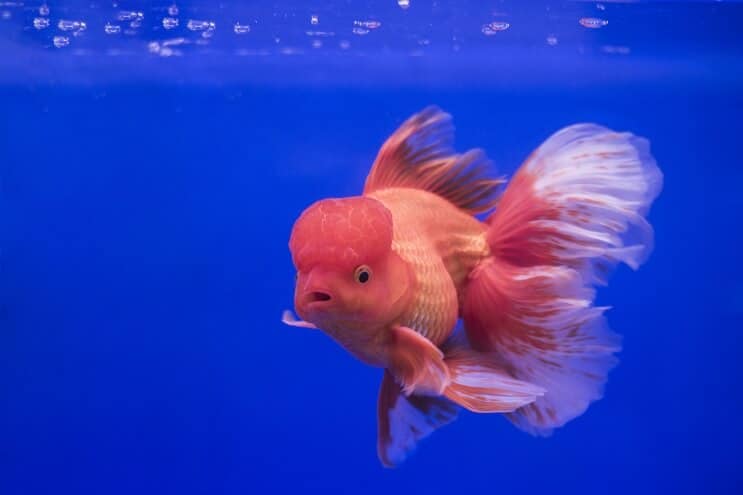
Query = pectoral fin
x=417 y=364
x=288 y=318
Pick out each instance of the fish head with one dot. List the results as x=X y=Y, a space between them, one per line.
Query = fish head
x=348 y=276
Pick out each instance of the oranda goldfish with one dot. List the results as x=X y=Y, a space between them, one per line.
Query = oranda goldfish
x=390 y=273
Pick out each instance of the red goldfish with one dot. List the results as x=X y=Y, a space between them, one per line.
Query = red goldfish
x=389 y=274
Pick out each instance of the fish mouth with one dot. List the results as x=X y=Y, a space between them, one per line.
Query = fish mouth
x=317 y=296
x=317 y=299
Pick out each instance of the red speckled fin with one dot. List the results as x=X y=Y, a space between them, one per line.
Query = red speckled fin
x=403 y=421
x=579 y=201
x=573 y=211
x=540 y=323
x=417 y=364
x=420 y=155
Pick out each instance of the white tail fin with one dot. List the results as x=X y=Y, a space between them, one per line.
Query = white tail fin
x=573 y=211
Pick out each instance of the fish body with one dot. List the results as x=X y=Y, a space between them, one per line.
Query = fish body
x=442 y=245
x=389 y=274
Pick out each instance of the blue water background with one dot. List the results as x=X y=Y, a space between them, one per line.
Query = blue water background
x=144 y=229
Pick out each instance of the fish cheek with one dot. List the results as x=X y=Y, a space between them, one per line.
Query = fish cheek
x=374 y=299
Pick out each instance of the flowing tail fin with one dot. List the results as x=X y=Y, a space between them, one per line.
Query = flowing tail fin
x=573 y=211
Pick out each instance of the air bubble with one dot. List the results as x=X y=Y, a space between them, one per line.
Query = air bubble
x=194 y=25
x=61 y=41
x=175 y=42
x=616 y=49
x=112 y=28
x=493 y=27
x=314 y=20
x=170 y=22
x=41 y=23
x=592 y=22
x=241 y=28
x=367 y=24
x=130 y=15
x=163 y=50
x=320 y=34
x=65 y=25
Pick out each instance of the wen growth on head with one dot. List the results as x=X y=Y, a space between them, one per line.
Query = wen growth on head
x=388 y=275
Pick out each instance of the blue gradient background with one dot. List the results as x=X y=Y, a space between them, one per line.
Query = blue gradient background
x=144 y=233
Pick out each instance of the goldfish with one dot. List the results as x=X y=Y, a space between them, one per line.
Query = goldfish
x=470 y=292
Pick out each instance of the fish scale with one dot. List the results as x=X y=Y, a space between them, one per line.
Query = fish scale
x=442 y=244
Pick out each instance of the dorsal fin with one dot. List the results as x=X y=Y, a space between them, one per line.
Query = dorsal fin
x=420 y=155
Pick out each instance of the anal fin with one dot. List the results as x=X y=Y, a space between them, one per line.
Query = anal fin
x=479 y=384
x=403 y=421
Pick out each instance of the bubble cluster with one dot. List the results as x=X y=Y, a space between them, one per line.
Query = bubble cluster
x=167 y=22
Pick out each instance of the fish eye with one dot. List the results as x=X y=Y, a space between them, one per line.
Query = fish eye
x=362 y=274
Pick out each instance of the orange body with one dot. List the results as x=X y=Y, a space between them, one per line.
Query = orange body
x=441 y=244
